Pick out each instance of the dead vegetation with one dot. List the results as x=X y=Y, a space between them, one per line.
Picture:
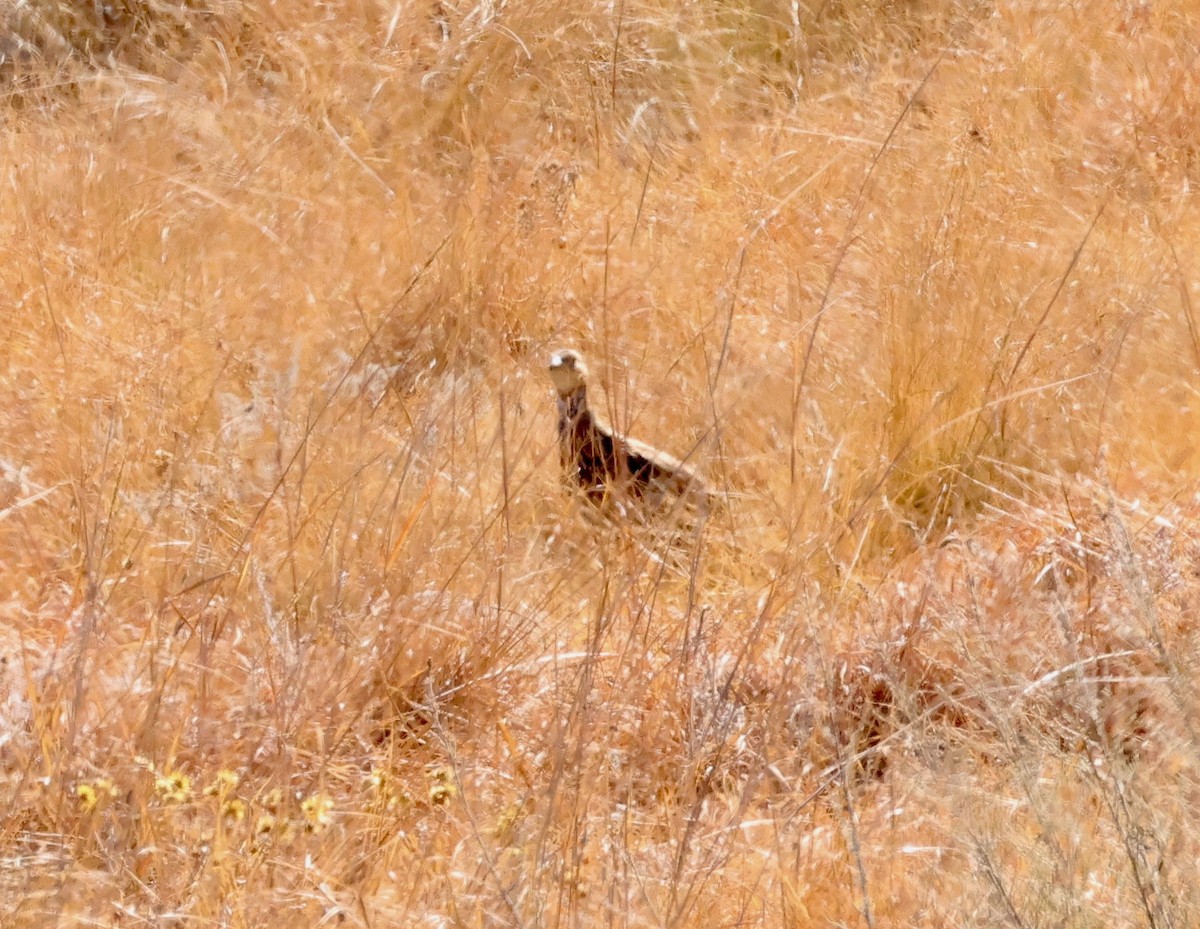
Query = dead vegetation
x=296 y=624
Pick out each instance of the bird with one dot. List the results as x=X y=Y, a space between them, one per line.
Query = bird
x=604 y=464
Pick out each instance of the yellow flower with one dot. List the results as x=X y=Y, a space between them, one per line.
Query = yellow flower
x=316 y=810
x=273 y=801
x=92 y=794
x=175 y=787
x=87 y=797
x=265 y=824
x=223 y=782
x=441 y=787
x=234 y=809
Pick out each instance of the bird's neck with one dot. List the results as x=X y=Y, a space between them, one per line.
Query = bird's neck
x=574 y=404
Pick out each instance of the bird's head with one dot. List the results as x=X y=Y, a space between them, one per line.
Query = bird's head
x=568 y=371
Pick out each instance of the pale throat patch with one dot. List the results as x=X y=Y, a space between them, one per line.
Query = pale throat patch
x=567 y=372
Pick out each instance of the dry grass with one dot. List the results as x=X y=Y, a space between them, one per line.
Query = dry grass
x=299 y=626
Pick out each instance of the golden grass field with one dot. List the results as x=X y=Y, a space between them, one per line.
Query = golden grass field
x=299 y=625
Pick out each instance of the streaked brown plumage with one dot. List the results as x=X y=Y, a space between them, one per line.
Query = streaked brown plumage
x=601 y=461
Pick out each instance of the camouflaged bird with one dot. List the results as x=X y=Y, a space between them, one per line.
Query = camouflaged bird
x=602 y=462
